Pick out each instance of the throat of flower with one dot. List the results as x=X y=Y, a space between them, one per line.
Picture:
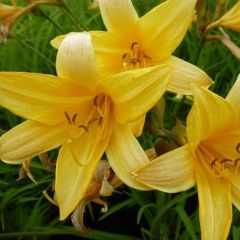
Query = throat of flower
x=97 y=112
x=135 y=58
x=218 y=164
x=93 y=128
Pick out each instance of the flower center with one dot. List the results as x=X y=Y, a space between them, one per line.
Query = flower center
x=135 y=58
x=218 y=164
x=77 y=125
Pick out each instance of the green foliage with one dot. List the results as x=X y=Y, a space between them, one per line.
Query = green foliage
x=24 y=211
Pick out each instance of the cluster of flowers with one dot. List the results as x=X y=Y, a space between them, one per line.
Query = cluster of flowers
x=106 y=83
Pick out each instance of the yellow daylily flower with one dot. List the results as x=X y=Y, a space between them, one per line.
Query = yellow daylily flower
x=132 y=42
x=82 y=112
x=231 y=19
x=211 y=159
x=7 y=10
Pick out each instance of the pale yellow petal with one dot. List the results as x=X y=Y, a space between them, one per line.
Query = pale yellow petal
x=118 y=15
x=137 y=126
x=30 y=139
x=163 y=28
x=77 y=162
x=183 y=74
x=57 y=41
x=171 y=172
x=231 y=19
x=30 y=95
x=215 y=204
x=233 y=96
x=76 y=60
x=125 y=154
x=210 y=115
x=109 y=49
x=135 y=92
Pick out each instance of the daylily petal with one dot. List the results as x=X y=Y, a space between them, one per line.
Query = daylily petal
x=57 y=41
x=171 y=172
x=31 y=94
x=76 y=60
x=160 y=27
x=30 y=139
x=233 y=96
x=109 y=50
x=215 y=204
x=137 y=126
x=183 y=74
x=125 y=154
x=135 y=92
x=118 y=15
x=77 y=162
x=209 y=115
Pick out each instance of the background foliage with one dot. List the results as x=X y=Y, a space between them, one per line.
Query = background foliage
x=24 y=211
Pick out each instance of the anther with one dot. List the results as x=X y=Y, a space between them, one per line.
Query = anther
x=226 y=163
x=67 y=117
x=133 y=45
x=74 y=118
x=236 y=162
x=238 y=148
x=95 y=101
x=213 y=163
x=83 y=127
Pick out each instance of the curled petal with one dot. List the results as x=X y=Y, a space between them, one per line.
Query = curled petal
x=171 y=172
x=183 y=74
x=29 y=139
x=76 y=60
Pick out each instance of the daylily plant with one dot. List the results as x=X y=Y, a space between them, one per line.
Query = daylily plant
x=132 y=42
x=211 y=159
x=82 y=112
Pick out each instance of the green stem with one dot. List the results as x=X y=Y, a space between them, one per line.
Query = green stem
x=24 y=43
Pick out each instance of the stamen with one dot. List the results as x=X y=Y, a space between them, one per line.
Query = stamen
x=67 y=117
x=213 y=163
x=74 y=118
x=226 y=164
x=84 y=127
x=236 y=165
x=95 y=102
x=135 y=58
x=238 y=148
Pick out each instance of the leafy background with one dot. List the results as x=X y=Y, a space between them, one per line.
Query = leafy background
x=24 y=211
